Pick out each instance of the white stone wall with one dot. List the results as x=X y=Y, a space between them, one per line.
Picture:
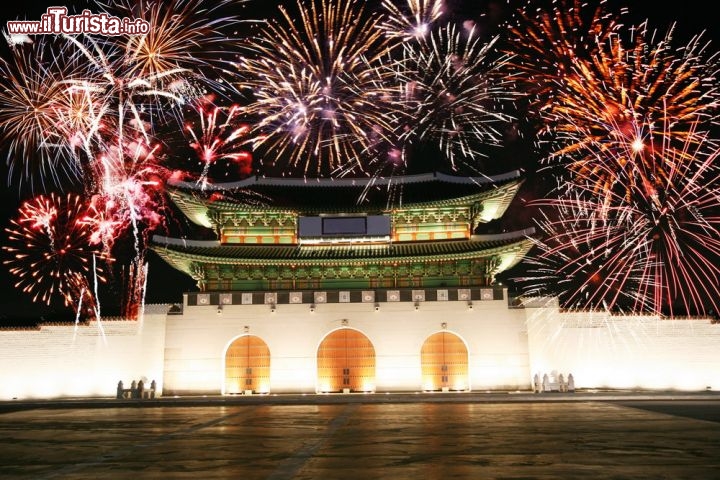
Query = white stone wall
x=185 y=353
x=625 y=352
x=62 y=361
x=495 y=337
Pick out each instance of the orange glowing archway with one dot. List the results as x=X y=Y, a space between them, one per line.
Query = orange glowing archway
x=346 y=360
x=247 y=365
x=444 y=359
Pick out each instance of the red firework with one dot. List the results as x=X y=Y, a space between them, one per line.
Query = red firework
x=221 y=136
x=51 y=254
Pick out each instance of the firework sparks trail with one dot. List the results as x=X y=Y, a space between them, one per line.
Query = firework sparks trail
x=445 y=92
x=133 y=303
x=81 y=91
x=141 y=315
x=221 y=136
x=599 y=85
x=321 y=97
x=61 y=104
x=184 y=51
x=129 y=195
x=605 y=102
x=125 y=94
x=141 y=78
x=635 y=226
x=87 y=108
x=129 y=200
x=318 y=92
x=138 y=78
x=77 y=313
x=98 y=318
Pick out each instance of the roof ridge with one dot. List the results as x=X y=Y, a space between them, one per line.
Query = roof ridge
x=349 y=182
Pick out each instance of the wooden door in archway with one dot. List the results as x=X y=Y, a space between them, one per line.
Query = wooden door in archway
x=247 y=365
x=346 y=360
x=444 y=359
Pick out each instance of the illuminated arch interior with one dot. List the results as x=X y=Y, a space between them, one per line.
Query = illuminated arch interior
x=247 y=366
x=346 y=360
x=444 y=359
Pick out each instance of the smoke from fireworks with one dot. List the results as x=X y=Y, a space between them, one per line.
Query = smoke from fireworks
x=51 y=252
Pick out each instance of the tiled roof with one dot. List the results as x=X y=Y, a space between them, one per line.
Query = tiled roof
x=403 y=251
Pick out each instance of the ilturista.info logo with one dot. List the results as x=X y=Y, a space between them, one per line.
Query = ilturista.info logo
x=57 y=21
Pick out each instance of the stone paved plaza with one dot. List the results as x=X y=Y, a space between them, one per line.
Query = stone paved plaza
x=629 y=438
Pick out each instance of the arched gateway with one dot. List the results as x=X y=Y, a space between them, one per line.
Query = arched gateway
x=247 y=366
x=444 y=360
x=346 y=361
x=314 y=249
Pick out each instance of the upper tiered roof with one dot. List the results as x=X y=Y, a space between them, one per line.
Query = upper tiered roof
x=204 y=203
x=286 y=233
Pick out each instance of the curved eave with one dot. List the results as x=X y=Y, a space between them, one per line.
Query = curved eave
x=178 y=262
x=194 y=209
x=496 y=202
x=515 y=256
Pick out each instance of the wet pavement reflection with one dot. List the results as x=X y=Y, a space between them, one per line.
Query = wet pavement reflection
x=589 y=440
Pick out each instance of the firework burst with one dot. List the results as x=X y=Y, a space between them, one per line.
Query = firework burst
x=42 y=116
x=220 y=137
x=92 y=105
x=51 y=252
x=648 y=93
x=130 y=195
x=129 y=101
x=650 y=243
x=184 y=35
x=413 y=22
x=453 y=94
x=603 y=90
x=546 y=42
x=317 y=90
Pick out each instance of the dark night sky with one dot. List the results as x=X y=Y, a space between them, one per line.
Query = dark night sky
x=166 y=284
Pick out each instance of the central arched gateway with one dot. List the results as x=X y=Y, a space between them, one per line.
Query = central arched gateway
x=444 y=359
x=346 y=362
x=247 y=366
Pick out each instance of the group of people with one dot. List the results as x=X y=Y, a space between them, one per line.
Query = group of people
x=553 y=383
x=136 y=390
